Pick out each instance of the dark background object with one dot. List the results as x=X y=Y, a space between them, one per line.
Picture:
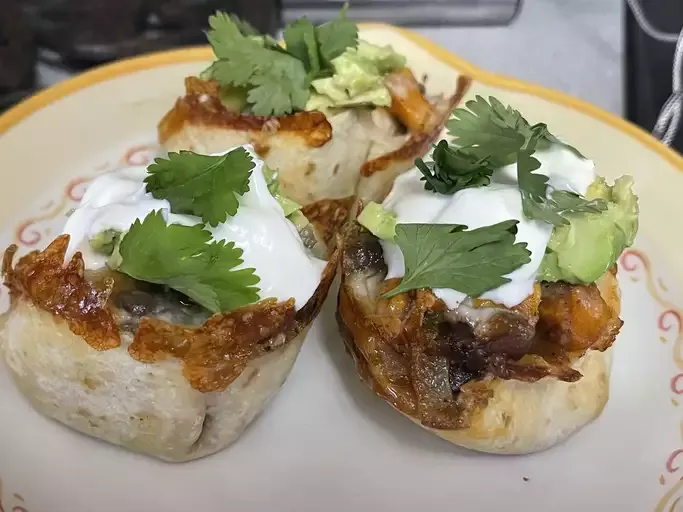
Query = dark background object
x=81 y=33
x=17 y=54
x=408 y=12
x=648 y=66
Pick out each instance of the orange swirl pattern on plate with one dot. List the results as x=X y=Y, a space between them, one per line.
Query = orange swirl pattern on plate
x=15 y=501
x=30 y=232
x=670 y=329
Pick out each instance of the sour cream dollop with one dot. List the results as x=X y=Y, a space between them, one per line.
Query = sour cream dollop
x=271 y=243
x=484 y=206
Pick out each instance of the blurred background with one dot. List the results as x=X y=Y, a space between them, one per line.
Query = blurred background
x=591 y=49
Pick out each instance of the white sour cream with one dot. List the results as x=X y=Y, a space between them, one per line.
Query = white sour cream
x=270 y=242
x=565 y=170
x=484 y=206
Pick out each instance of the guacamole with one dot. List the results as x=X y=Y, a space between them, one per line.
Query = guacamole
x=585 y=249
x=358 y=78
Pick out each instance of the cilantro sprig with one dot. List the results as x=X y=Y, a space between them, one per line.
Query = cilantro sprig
x=453 y=169
x=536 y=204
x=278 y=79
x=448 y=256
x=202 y=185
x=185 y=259
x=492 y=130
x=318 y=46
x=489 y=136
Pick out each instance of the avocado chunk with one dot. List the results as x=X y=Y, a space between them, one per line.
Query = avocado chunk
x=583 y=250
x=105 y=241
x=378 y=221
x=358 y=78
x=233 y=99
x=289 y=206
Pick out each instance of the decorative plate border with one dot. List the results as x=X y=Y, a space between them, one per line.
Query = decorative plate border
x=31 y=231
x=632 y=261
x=15 y=505
x=637 y=264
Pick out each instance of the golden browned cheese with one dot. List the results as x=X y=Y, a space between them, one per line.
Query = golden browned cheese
x=420 y=141
x=528 y=308
x=202 y=104
x=214 y=354
x=439 y=366
x=577 y=318
x=64 y=292
x=407 y=102
x=218 y=351
x=403 y=372
x=328 y=216
x=390 y=314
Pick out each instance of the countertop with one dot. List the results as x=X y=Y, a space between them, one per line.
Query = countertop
x=574 y=46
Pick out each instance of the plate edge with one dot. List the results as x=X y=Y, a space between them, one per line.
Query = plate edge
x=105 y=72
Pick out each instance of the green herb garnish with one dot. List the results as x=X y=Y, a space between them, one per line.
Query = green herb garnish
x=317 y=46
x=335 y=37
x=493 y=131
x=535 y=202
x=447 y=256
x=201 y=185
x=185 y=259
x=453 y=169
x=491 y=135
x=278 y=79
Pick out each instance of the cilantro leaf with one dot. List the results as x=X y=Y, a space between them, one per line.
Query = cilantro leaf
x=316 y=47
x=301 y=40
x=225 y=32
x=279 y=91
x=541 y=130
x=335 y=36
x=535 y=201
x=245 y=28
x=568 y=202
x=453 y=170
x=202 y=185
x=185 y=259
x=492 y=130
x=256 y=63
x=533 y=188
x=447 y=256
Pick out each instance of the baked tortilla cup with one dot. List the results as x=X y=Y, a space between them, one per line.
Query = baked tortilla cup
x=357 y=151
x=514 y=381
x=139 y=366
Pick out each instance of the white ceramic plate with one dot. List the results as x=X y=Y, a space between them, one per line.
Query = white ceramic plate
x=327 y=443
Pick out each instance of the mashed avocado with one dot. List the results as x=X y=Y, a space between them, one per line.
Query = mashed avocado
x=378 y=221
x=105 y=241
x=233 y=98
x=358 y=78
x=585 y=249
x=288 y=205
